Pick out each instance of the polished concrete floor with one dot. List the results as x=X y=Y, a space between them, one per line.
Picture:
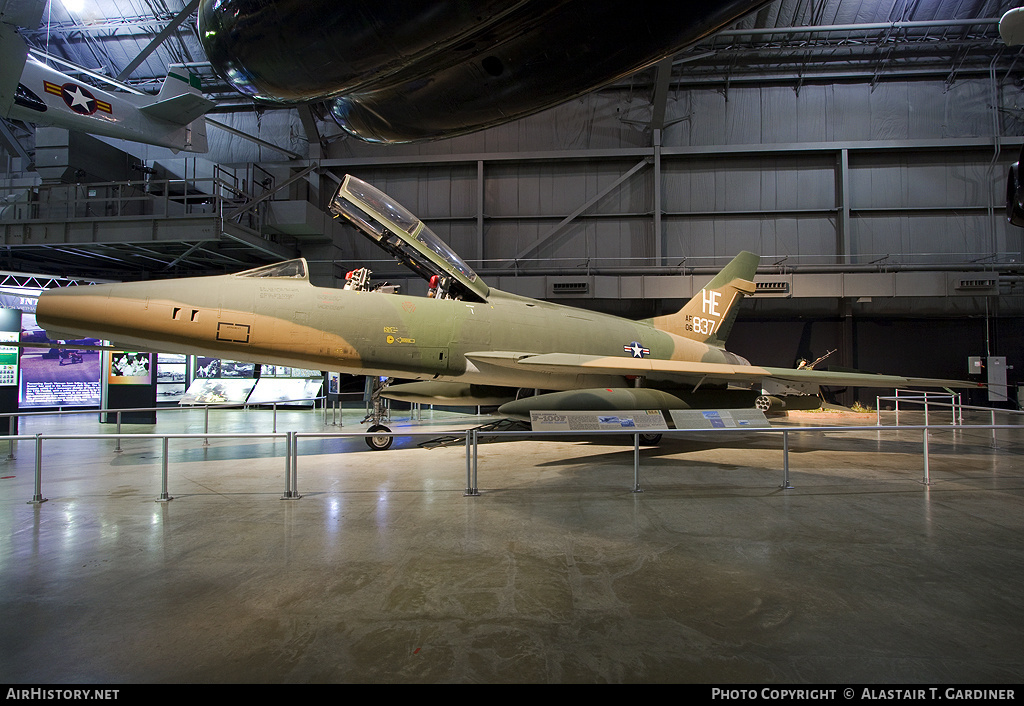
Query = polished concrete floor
x=384 y=571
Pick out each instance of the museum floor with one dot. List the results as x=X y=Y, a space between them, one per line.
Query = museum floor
x=385 y=572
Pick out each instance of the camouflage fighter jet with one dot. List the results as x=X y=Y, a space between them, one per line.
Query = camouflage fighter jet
x=465 y=343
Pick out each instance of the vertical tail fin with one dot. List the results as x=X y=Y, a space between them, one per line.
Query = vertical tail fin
x=181 y=102
x=709 y=316
x=179 y=81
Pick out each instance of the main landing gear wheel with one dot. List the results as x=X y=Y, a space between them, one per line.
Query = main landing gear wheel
x=650 y=439
x=380 y=442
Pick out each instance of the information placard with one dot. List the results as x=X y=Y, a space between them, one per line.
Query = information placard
x=597 y=421
x=719 y=418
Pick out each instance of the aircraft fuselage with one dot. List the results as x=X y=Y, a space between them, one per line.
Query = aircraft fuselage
x=292 y=322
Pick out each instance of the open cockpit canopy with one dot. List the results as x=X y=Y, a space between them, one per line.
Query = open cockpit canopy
x=387 y=223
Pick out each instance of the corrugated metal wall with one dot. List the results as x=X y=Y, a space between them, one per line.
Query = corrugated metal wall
x=752 y=167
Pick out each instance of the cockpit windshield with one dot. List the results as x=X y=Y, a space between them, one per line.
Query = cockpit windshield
x=291 y=269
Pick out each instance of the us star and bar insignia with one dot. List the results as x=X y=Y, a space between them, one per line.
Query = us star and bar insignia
x=637 y=350
x=78 y=98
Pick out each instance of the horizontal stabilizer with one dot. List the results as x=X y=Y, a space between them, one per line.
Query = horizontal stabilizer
x=179 y=110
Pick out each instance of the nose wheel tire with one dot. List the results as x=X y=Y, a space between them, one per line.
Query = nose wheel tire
x=650 y=439
x=379 y=442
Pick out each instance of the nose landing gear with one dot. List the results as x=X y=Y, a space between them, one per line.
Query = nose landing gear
x=379 y=442
x=379 y=412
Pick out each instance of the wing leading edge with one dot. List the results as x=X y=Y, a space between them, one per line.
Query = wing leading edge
x=687 y=372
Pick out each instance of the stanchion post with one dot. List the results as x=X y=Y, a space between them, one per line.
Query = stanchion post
x=476 y=461
x=295 y=466
x=291 y=469
x=117 y=448
x=163 y=497
x=37 y=497
x=471 y=460
x=206 y=425
x=287 y=465
x=636 y=463
x=786 y=485
x=11 y=423
x=470 y=491
x=469 y=468
x=927 y=474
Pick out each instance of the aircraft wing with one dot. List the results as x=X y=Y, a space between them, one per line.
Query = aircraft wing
x=695 y=372
x=15 y=13
x=180 y=110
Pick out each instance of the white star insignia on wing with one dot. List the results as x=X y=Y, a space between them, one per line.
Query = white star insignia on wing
x=78 y=98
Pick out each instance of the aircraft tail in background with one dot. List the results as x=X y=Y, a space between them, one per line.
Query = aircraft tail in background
x=33 y=92
x=180 y=100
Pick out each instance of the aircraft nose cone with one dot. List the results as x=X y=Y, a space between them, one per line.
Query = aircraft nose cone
x=74 y=311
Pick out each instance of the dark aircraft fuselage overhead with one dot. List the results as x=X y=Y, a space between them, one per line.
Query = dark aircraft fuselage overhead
x=402 y=72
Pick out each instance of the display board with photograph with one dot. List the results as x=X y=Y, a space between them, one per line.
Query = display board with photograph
x=218 y=391
x=65 y=376
x=296 y=391
x=130 y=368
x=283 y=371
x=171 y=376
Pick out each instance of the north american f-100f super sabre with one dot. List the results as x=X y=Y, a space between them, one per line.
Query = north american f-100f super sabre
x=465 y=343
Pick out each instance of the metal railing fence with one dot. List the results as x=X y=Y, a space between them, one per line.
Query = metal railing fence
x=471 y=439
